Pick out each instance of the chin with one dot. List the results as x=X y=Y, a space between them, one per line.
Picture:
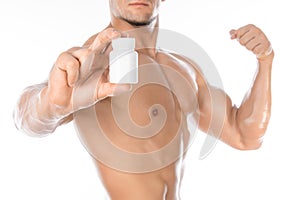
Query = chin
x=135 y=22
x=140 y=22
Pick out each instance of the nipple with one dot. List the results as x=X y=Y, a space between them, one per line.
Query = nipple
x=155 y=112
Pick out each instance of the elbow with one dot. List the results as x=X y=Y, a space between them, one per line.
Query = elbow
x=249 y=145
x=243 y=142
x=250 y=134
x=250 y=138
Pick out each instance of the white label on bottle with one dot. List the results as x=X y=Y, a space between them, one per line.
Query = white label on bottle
x=124 y=69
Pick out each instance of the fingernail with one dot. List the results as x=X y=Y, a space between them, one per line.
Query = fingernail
x=124 y=34
x=232 y=34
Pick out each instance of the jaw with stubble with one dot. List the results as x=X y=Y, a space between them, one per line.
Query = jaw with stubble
x=138 y=22
x=135 y=12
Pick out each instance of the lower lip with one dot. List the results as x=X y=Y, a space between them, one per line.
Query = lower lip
x=138 y=5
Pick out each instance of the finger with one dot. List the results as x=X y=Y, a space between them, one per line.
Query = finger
x=246 y=38
x=69 y=65
x=252 y=44
x=103 y=39
x=243 y=30
x=259 y=50
x=111 y=89
x=259 y=44
x=72 y=74
x=232 y=34
x=73 y=49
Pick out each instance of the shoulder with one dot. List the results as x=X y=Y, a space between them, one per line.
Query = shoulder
x=185 y=66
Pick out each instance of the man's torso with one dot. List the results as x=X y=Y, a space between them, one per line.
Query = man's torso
x=150 y=127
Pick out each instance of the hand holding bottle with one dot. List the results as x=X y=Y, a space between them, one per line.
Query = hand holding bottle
x=79 y=77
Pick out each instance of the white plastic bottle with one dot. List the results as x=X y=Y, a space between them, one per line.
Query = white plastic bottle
x=123 y=61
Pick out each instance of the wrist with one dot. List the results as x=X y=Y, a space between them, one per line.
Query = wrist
x=267 y=56
x=266 y=62
x=45 y=109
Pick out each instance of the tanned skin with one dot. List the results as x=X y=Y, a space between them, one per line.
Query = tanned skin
x=243 y=126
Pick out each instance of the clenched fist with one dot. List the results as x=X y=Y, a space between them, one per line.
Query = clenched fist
x=254 y=40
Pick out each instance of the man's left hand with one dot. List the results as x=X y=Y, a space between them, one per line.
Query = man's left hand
x=254 y=40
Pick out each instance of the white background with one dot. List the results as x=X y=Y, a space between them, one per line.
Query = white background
x=33 y=33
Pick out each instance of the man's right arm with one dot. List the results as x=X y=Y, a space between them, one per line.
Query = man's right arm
x=26 y=113
x=43 y=107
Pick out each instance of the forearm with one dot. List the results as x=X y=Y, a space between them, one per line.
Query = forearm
x=31 y=114
x=253 y=115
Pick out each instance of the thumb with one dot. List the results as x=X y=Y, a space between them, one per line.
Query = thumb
x=233 y=34
x=112 y=89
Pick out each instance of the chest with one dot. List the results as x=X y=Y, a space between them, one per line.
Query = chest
x=162 y=83
x=151 y=98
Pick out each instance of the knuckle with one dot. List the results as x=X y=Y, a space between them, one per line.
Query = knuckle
x=242 y=41
x=257 y=50
x=63 y=55
x=248 y=47
x=262 y=37
x=65 y=58
x=70 y=64
x=79 y=54
x=73 y=49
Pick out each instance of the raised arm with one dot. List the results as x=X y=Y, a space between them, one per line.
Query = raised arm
x=77 y=80
x=243 y=127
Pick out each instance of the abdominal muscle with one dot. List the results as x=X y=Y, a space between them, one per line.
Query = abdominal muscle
x=162 y=184
x=159 y=184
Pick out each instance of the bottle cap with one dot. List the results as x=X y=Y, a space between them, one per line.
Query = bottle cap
x=123 y=43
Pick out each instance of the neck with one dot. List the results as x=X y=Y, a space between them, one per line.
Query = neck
x=145 y=36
